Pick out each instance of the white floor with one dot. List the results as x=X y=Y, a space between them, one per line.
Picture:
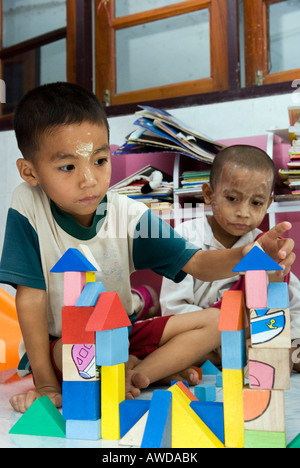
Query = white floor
x=8 y=417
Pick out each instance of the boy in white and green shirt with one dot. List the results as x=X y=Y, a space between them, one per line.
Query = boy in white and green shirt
x=63 y=134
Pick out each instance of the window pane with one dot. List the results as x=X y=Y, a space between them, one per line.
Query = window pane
x=25 y=19
x=284 y=30
x=129 y=7
x=163 y=52
x=26 y=71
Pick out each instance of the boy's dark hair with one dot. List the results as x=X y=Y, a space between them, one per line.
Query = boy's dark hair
x=247 y=156
x=51 y=105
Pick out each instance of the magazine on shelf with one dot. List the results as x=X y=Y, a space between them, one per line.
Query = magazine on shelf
x=159 y=130
x=132 y=186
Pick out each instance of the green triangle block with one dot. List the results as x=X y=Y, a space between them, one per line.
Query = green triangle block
x=295 y=442
x=41 y=419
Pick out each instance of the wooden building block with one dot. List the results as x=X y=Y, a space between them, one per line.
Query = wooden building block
x=81 y=400
x=262 y=439
x=205 y=392
x=74 y=321
x=188 y=430
x=90 y=277
x=72 y=260
x=212 y=414
x=131 y=412
x=232 y=315
x=74 y=282
x=83 y=430
x=134 y=436
x=208 y=368
x=269 y=368
x=233 y=384
x=108 y=313
x=272 y=330
x=256 y=284
x=112 y=393
x=256 y=259
x=264 y=410
x=295 y=443
x=79 y=362
x=112 y=347
x=158 y=430
x=182 y=386
x=41 y=419
x=90 y=294
x=234 y=355
x=278 y=296
x=84 y=249
x=219 y=380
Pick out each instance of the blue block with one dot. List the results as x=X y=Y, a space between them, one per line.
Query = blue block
x=112 y=347
x=130 y=412
x=84 y=430
x=209 y=369
x=81 y=400
x=72 y=260
x=219 y=380
x=90 y=294
x=158 y=430
x=205 y=392
x=278 y=296
x=212 y=415
x=234 y=354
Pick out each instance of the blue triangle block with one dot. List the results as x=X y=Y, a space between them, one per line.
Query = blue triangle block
x=208 y=368
x=130 y=412
x=257 y=259
x=212 y=414
x=90 y=294
x=72 y=260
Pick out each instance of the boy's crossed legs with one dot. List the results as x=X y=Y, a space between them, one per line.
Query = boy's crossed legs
x=186 y=341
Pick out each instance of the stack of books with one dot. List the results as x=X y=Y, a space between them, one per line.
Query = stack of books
x=158 y=130
x=157 y=199
x=191 y=183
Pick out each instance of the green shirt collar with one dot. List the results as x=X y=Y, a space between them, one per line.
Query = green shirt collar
x=72 y=227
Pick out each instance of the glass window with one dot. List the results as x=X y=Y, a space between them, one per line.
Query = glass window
x=163 y=52
x=130 y=7
x=25 y=19
x=284 y=36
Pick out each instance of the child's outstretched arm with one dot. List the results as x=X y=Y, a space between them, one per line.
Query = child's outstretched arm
x=31 y=308
x=213 y=265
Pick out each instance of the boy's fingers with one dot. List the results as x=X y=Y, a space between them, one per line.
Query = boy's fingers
x=279 y=229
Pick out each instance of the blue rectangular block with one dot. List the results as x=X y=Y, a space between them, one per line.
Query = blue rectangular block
x=112 y=347
x=90 y=294
x=234 y=354
x=81 y=400
x=278 y=296
x=158 y=430
x=84 y=430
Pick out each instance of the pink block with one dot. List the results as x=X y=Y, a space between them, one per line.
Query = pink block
x=74 y=282
x=261 y=375
x=256 y=289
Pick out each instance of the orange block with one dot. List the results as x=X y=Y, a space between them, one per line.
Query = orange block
x=232 y=316
x=10 y=333
x=256 y=403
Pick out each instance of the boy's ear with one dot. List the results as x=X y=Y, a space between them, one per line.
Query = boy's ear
x=207 y=193
x=27 y=171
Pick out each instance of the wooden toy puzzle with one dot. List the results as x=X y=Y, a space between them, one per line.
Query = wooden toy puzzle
x=95 y=350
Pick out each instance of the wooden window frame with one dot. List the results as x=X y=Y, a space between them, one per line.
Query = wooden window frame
x=105 y=63
x=257 y=45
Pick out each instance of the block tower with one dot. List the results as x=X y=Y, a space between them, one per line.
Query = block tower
x=254 y=414
x=95 y=341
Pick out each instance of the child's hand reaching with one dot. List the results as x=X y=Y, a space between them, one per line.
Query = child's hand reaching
x=22 y=401
x=280 y=249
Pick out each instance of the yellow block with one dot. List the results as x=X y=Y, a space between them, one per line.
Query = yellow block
x=233 y=384
x=90 y=277
x=112 y=393
x=188 y=430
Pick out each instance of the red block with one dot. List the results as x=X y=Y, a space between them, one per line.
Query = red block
x=74 y=321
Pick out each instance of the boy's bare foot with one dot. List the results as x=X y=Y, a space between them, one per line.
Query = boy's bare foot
x=134 y=381
x=189 y=375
